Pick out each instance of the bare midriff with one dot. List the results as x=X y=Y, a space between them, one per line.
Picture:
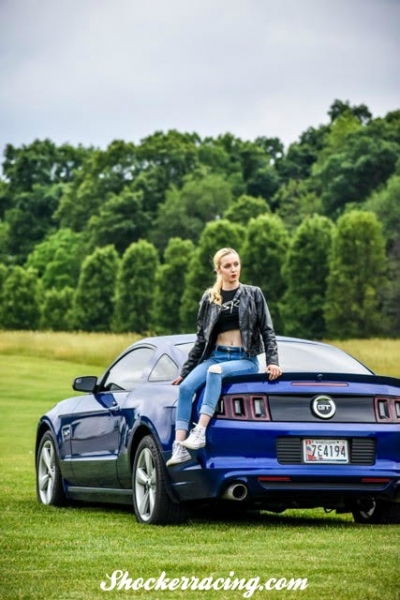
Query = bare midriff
x=230 y=338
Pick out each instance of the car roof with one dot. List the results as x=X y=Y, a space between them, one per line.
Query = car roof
x=180 y=338
x=186 y=338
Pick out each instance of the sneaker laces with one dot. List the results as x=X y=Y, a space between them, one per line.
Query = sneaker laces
x=198 y=431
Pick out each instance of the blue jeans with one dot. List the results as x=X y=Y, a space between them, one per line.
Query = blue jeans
x=231 y=361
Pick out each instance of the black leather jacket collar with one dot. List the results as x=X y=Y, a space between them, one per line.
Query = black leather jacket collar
x=255 y=325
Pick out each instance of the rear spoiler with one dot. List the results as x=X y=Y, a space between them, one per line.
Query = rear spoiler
x=315 y=377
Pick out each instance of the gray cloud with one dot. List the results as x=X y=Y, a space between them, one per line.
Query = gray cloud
x=93 y=71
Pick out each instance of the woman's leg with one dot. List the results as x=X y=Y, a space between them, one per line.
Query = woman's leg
x=187 y=388
x=215 y=373
x=212 y=392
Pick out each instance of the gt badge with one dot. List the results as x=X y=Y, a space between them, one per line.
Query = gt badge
x=323 y=407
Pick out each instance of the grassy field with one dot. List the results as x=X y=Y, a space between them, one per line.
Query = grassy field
x=66 y=553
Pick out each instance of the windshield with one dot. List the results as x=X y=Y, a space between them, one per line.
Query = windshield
x=312 y=357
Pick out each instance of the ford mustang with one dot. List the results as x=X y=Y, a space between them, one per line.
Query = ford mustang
x=325 y=434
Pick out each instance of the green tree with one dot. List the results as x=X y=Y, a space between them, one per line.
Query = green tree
x=35 y=178
x=186 y=211
x=249 y=167
x=227 y=148
x=221 y=157
x=56 y=309
x=174 y=154
x=364 y=161
x=200 y=273
x=4 y=237
x=391 y=304
x=295 y=202
x=305 y=272
x=300 y=156
x=170 y=285
x=58 y=259
x=245 y=208
x=3 y=277
x=216 y=156
x=20 y=307
x=149 y=184
x=259 y=173
x=264 y=182
x=172 y=220
x=357 y=277
x=30 y=219
x=385 y=203
x=93 y=305
x=344 y=125
x=135 y=288
x=103 y=173
x=339 y=108
x=263 y=255
x=121 y=221
x=6 y=197
x=273 y=148
x=165 y=159
x=42 y=164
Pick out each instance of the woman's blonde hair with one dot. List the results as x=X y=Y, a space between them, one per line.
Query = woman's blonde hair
x=215 y=290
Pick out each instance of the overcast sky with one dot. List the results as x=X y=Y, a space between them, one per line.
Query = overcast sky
x=92 y=71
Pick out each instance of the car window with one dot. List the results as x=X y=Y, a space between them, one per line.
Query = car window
x=185 y=348
x=165 y=369
x=126 y=373
x=304 y=357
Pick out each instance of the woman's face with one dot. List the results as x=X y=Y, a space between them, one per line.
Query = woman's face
x=229 y=269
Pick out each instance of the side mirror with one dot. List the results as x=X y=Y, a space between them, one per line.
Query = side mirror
x=85 y=384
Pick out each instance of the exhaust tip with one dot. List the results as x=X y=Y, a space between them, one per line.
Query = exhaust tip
x=236 y=491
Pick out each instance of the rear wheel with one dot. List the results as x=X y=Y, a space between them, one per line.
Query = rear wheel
x=49 y=485
x=151 y=501
x=377 y=512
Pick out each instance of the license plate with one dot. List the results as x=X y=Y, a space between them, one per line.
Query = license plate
x=325 y=451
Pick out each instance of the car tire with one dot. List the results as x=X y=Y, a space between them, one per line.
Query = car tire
x=378 y=512
x=49 y=486
x=151 y=501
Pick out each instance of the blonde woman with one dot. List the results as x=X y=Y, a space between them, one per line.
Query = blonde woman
x=233 y=326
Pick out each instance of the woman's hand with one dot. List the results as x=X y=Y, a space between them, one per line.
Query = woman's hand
x=274 y=371
x=177 y=381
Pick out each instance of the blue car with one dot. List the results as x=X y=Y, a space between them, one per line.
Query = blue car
x=325 y=434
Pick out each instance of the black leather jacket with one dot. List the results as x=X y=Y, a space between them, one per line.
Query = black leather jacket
x=255 y=326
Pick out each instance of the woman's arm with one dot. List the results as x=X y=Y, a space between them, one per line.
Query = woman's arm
x=197 y=351
x=266 y=328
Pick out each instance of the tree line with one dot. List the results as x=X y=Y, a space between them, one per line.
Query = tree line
x=121 y=239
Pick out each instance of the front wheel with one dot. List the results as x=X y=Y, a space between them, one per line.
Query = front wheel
x=151 y=501
x=377 y=512
x=49 y=487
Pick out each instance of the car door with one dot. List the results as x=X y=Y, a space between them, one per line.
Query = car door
x=96 y=427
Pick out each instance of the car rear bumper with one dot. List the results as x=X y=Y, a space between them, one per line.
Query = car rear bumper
x=285 y=487
x=268 y=460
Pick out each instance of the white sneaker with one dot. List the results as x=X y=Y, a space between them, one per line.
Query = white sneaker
x=196 y=439
x=179 y=455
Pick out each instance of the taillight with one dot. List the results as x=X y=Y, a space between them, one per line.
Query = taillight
x=387 y=410
x=244 y=407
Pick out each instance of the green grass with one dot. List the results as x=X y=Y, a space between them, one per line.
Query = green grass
x=379 y=354
x=65 y=553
